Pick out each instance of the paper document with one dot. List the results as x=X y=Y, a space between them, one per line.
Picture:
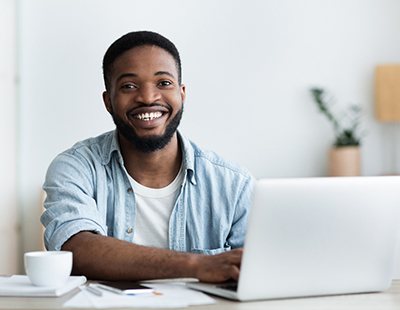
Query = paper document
x=165 y=295
x=19 y=285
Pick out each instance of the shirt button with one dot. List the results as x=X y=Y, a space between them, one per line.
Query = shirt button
x=130 y=190
x=129 y=230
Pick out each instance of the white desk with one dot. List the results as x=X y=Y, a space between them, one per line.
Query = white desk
x=382 y=301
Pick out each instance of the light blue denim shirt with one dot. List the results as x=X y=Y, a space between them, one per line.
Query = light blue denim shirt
x=88 y=189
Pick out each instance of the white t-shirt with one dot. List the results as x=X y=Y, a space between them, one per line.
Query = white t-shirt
x=153 y=210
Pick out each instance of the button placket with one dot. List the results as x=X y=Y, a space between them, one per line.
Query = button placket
x=129 y=230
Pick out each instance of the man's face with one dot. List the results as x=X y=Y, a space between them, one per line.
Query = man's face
x=145 y=98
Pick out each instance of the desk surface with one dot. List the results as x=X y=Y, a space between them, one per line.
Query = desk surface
x=389 y=299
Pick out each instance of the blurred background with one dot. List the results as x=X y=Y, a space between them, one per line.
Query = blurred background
x=247 y=66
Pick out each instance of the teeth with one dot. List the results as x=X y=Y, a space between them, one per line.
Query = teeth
x=148 y=116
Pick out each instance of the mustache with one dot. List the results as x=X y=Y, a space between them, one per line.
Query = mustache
x=154 y=105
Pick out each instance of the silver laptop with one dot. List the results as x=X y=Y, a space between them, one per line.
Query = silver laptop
x=318 y=236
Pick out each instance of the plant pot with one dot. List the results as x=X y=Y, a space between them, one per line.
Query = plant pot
x=345 y=161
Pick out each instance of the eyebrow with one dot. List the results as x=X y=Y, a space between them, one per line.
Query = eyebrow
x=124 y=75
x=164 y=73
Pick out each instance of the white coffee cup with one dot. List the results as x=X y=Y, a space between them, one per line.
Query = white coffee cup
x=48 y=268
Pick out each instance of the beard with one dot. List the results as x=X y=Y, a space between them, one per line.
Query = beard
x=151 y=143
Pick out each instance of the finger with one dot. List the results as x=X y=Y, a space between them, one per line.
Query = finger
x=235 y=272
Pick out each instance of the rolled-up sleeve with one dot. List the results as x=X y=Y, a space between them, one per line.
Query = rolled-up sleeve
x=70 y=205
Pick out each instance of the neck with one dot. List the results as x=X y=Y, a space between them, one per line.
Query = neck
x=156 y=169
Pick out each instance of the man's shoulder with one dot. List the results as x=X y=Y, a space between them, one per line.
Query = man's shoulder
x=209 y=159
x=94 y=148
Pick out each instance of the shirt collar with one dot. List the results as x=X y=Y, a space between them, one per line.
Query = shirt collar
x=112 y=146
x=187 y=157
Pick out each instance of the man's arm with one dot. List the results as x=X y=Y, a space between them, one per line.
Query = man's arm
x=107 y=258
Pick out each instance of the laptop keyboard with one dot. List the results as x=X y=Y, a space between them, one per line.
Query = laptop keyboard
x=229 y=286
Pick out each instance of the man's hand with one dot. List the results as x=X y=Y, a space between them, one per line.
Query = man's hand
x=219 y=268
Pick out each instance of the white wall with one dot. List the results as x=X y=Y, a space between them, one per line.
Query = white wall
x=247 y=66
x=9 y=231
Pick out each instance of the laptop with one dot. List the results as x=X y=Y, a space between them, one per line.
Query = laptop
x=317 y=236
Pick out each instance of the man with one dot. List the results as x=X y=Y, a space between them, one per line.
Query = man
x=143 y=202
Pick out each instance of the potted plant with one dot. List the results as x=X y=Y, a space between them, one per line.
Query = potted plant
x=344 y=156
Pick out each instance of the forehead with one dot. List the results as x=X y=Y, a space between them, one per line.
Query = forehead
x=145 y=59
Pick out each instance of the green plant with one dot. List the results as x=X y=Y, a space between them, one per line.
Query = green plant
x=346 y=126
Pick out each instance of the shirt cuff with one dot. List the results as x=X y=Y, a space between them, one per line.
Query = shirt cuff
x=67 y=230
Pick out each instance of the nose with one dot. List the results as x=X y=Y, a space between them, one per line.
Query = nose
x=148 y=94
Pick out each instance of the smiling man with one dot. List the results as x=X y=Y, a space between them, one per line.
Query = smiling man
x=144 y=202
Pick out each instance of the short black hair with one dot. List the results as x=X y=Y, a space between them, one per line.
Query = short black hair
x=135 y=39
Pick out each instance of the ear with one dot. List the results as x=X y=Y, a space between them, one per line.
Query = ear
x=183 y=93
x=107 y=102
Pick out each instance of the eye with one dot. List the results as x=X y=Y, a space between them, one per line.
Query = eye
x=165 y=83
x=128 y=86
